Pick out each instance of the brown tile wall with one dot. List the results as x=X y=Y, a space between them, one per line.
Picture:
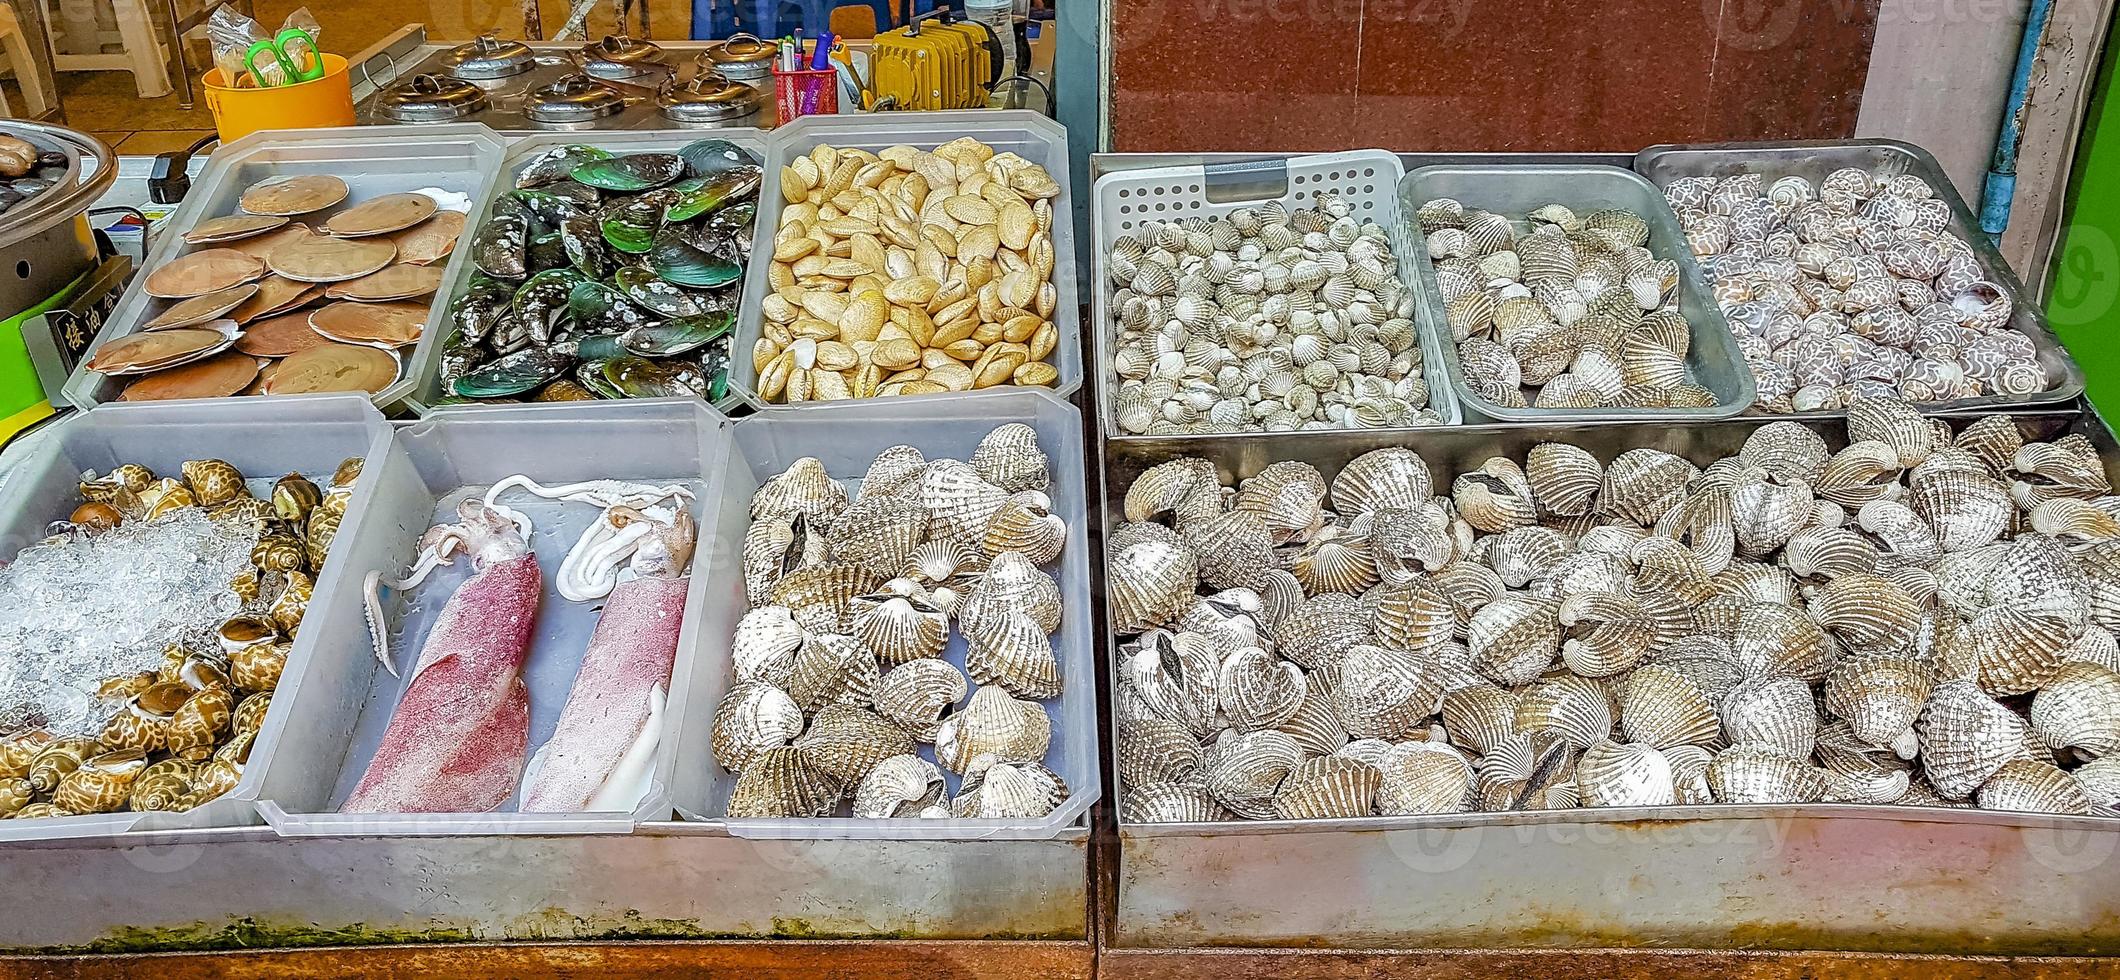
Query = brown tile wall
x=1202 y=75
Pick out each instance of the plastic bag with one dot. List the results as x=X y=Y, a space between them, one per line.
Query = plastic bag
x=247 y=57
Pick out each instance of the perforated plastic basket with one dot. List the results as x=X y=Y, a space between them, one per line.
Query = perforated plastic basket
x=1366 y=179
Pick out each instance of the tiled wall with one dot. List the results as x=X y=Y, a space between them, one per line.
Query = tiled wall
x=1196 y=75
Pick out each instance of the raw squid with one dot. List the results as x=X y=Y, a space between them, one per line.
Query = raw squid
x=601 y=755
x=457 y=740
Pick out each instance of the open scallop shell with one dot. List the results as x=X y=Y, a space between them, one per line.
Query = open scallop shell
x=290 y=194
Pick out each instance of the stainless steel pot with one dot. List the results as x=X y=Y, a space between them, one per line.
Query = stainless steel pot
x=45 y=242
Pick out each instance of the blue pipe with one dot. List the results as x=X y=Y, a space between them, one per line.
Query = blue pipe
x=2001 y=185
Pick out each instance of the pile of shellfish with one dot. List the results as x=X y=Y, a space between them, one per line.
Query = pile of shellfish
x=1575 y=312
x=845 y=664
x=266 y=304
x=1265 y=319
x=909 y=272
x=1922 y=617
x=1854 y=286
x=183 y=734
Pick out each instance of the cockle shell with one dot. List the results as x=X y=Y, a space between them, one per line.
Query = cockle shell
x=2100 y=780
x=1880 y=693
x=1026 y=525
x=821 y=597
x=1244 y=770
x=1423 y=777
x=753 y=718
x=1008 y=457
x=992 y=727
x=764 y=646
x=960 y=503
x=1764 y=515
x=1894 y=423
x=1577 y=710
x=848 y=742
x=1966 y=510
x=1777 y=641
x=1523 y=554
x=1514 y=638
x=1153 y=750
x=766 y=547
x=1642 y=484
x=1334 y=560
x=2079 y=709
x=1995 y=439
x=1175 y=677
x=878 y=533
x=1858 y=474
x=2027 y=786
x=1322 y=630
x=1828 y=552
x=1171 y=803
x=1867 y=612
x=1564 y=479
x=1012 y=584
x=893 y=473
x=2044 y=471
x=1496 y=497
x=2075 y=520
x=1624 y=774
x=1288 y=496
x=1314 y=725
x=1607 y=633
x=1328 y=787
x=1789 y=451
x=1186 y=486
x=1232 y=550
x=1776 y=711
x=1013 y=651
x=1468 y=585
x=1258 y=690
x=915 y=695
x=1759 y=773
x=1965 y=737
x=1148 y=583
x=1663 y=707
x=1417 y=616
x=899 y=788
x=898 y=629
x=1007 y=791
x=1389 y=477
x=803 y=488
x=1385 y=693
x=101 y=783
x=831 y=669
x=783 y=783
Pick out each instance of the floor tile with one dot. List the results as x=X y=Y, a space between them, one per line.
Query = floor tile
x=151 y=142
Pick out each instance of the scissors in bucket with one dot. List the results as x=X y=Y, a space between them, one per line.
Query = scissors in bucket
x=290 y=57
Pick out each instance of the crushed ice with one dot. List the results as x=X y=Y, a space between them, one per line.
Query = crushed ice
x=74 y=612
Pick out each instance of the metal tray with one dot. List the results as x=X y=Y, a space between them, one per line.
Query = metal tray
x=1513 y=190
x=426 y=361
x=1366 y=179
x=310 y=433
x=1020 y=131
x=846 y=436
x=1816 y=876
x=343 y=699
x=1814 y=160
x=373 y=160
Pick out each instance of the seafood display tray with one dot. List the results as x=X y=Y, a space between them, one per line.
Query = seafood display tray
x=845 y=436
x=310 y=433
x=343 y=698
x=425 y=365
x=1814 y=160
x=1813 y=876
x=1020 y=131
x=1366 y=179
x=373 y=161
x=1512 y=190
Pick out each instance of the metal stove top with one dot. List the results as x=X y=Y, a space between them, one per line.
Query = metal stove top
x=559 y=87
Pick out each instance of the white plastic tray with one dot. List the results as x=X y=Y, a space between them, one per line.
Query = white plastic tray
x=1366 y=179
x=846 y=436
x=344 y=699
x=310 y=433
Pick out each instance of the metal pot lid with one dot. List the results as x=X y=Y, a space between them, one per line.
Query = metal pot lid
x=619 y=56
x=742 y=49
x=431 y=98
x=69 y=196
x=488 y=57
x=574 y=98
x=708 y=97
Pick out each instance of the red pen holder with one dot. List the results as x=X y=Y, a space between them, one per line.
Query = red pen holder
x=806 y=92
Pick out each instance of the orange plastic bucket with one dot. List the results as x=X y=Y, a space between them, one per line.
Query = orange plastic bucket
x=238 y=112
